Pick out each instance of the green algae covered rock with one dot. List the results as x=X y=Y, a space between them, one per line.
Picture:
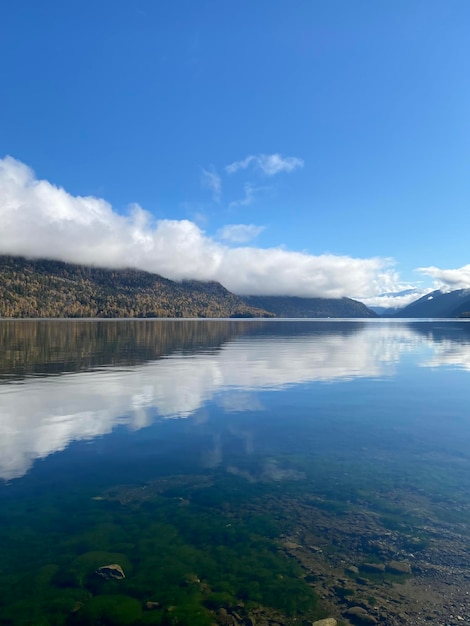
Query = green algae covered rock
x=118 y=610
x=88 y=563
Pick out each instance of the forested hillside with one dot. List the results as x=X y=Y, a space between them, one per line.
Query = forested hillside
x=43 y=288
x=438 y=304
x=288 y=306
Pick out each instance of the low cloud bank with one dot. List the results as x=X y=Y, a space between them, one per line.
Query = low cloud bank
x=449 y=280
x=392 y=301
x=39 y=219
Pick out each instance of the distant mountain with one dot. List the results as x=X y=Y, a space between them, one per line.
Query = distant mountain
x=438 y=304
x=392 y=296
x=289 y=306
x=384 y=311
x=43 y=288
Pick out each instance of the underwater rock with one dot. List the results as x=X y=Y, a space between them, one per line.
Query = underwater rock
x=291 y=545
x=152 y=606
x=360 y=616
x=375 y=568
x=192 y=579
x=111 y=571
x=224 y=618
x=315 y=549
x=89 y=564
x=399 y=567
x=329 y=621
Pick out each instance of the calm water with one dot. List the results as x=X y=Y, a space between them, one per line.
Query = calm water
x=198 y=454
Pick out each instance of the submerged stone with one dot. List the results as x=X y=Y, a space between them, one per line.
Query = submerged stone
x=329 y=621
x=374 y=568
x=399 y=567
x=291 y=545
x=111 y=571
x=360 y=616
x=152 y=606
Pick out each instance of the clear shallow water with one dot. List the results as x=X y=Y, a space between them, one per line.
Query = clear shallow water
x=119 y=439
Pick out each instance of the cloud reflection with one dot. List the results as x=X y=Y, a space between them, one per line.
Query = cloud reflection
x=40 y=416
x=451 y=355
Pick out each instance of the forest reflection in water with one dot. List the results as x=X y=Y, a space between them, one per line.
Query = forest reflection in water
x=76 y=380
x=320 y=418
x=42 y=347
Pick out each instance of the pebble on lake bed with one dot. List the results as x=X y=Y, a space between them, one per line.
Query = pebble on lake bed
x=399 y=567
x=360 y=616
x=111 y=571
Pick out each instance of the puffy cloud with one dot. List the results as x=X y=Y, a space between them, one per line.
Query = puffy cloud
x=211 y=180
x=39 y=219
x=240 y=233
x=269 y=164
x=395 y=301
x=448 y=280
x=276 y=271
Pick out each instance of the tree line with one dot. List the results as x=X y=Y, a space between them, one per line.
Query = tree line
x=45 y=288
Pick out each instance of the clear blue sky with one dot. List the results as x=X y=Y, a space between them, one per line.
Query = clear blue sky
x=366 y=104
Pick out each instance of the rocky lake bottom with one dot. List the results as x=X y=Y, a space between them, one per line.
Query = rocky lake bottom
x=194 y=549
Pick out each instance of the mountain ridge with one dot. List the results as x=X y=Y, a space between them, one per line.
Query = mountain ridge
x=438 y=304
x=294 y=306
x=47 y=288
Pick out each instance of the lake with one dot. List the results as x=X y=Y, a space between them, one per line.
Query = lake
x=241 y=473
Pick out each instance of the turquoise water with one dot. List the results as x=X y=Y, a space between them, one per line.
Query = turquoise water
x=187 y=451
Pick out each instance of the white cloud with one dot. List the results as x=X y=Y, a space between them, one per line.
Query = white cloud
x=240 y=233
x=276 y=271
x=38 y=219
x=448 y=280
x=390 y=301
x=269 y=164
x=211 y=180
x=248 y=197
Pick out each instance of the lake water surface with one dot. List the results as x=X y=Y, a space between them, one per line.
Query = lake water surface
x=239 y=472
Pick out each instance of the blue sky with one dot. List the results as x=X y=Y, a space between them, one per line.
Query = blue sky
x=324 y=144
